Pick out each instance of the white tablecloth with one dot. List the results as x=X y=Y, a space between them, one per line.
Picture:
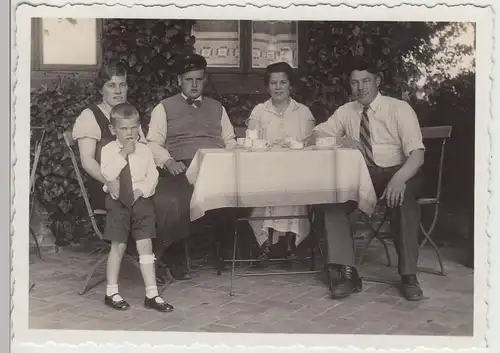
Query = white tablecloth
x=279 y=177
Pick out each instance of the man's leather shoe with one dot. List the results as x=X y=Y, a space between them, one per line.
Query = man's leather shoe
x=117 y=305
x=179 y=273
x=333 y=275
x=151 y=303
x=349 y=283
x=410 y=288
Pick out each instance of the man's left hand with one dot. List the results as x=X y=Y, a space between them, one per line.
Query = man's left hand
x=394 y=192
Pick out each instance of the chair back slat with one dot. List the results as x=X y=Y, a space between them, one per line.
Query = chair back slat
x=69 y=142
x=436 y=132
x=68 y=138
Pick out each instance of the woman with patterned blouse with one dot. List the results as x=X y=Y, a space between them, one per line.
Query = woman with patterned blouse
x=279 y=120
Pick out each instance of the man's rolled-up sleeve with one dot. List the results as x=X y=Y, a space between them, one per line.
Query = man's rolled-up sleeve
x=157 y=135
x=333 y=126
x=409 y=129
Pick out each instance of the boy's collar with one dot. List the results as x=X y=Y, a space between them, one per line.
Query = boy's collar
x=186 y=97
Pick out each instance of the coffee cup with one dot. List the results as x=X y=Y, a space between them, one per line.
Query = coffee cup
x=240 y=141
x=247 y=143
x=252 y=134
x=296 y=145
x=260 y=144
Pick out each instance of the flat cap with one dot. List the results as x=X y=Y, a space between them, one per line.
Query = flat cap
x=191 y=62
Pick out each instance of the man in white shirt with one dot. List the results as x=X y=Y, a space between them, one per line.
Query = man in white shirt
x=387 y=132
x=180 y=126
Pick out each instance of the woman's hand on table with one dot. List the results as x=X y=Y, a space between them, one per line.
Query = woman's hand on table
x=175 y=168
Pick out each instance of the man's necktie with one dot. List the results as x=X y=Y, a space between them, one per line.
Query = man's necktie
x=365 y=138
x=192 y=101
x=126 y=190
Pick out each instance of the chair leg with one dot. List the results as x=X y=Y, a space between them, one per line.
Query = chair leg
x=235 y=240
x=37 y=245
x=219 y=261
x=375 y=233
x=169 y=278
x=387 y=254
x=436 y=249
x=313 y=258
x=428 y=238
x=432 y=226
x=188 y=256
x=86 y=287
x=325 y=266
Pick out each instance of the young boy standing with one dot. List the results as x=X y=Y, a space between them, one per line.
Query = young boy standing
x=130 y=169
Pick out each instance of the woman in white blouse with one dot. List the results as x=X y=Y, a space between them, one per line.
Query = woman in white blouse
x=280 y=119
x=91 y=129
x=91 y=132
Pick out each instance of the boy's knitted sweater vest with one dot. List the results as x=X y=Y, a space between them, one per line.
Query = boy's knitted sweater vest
x=190 y=129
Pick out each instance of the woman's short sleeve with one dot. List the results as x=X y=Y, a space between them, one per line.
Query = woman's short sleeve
x=86 y=126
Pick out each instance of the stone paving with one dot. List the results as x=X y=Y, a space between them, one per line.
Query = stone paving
x=265 y=304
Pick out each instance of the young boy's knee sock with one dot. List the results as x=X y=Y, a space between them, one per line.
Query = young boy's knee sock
x=146 y=263
x=113 y=289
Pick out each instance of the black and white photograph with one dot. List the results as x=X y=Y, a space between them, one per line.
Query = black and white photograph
x=274 y=175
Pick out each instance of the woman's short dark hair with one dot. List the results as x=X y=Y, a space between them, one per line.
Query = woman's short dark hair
x=279 y=67
x=106 y=72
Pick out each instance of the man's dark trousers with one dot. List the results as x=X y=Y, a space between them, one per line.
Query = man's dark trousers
x=405 y=222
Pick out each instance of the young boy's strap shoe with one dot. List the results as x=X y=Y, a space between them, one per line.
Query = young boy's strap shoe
x=151 y=303
x=117 y=305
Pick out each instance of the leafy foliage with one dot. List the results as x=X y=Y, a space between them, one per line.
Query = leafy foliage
x=395 y=46
x=452 y=102
x=149 y=49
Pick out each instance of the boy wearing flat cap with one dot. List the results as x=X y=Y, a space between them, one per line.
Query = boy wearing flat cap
x=180 y=126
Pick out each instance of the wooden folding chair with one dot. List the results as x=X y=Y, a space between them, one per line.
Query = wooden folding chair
x=313 y=238
x=104 y=247
x=36 y=159
x=442 y=133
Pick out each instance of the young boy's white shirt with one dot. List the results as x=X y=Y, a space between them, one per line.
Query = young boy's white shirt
x=142 y=166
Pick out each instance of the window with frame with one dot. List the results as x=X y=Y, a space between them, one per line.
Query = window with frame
x=246 y=46
x=66 y=44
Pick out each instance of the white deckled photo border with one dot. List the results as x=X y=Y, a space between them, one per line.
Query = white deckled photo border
x=486 y=224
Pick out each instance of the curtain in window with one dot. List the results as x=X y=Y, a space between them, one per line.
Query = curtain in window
x=218 y=41
x=274 y=41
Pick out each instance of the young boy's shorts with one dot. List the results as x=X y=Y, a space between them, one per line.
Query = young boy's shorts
x=139 y=221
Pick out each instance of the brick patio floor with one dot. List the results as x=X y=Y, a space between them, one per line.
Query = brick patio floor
x=277 y=304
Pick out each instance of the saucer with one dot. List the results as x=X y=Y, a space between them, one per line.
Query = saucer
x=327 y=147
x=296 y=148
x=259 y=149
